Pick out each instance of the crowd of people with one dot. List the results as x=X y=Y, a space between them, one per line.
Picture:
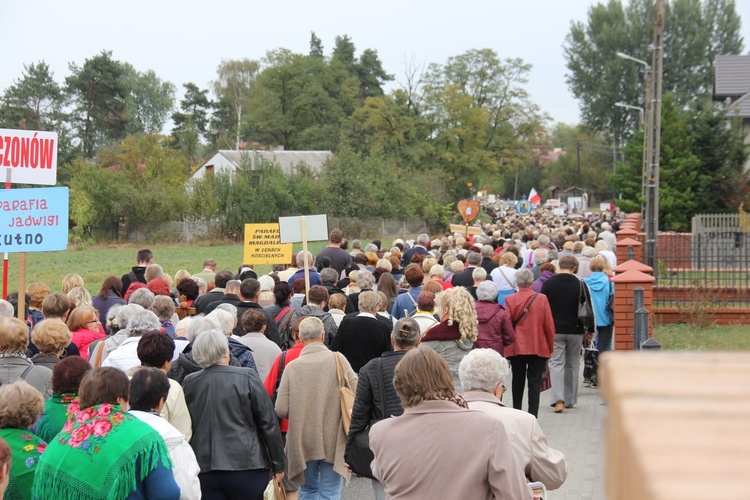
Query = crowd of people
x=216 y=384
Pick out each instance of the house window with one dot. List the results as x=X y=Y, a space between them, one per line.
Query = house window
x=209 y=170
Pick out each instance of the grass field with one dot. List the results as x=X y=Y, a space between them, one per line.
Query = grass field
x=714 y=338
x=95 y=264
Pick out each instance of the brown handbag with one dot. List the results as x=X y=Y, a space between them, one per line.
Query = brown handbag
x=345 y=392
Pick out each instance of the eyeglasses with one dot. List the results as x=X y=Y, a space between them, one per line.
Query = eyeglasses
x=93 y=321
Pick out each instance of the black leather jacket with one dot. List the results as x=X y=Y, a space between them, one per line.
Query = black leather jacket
x=234 y=424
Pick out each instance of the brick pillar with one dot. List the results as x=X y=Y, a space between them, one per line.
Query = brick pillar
x=621 y=249
x=636 y=218
x=633 y=265
x=627 y=232
x=625 y=283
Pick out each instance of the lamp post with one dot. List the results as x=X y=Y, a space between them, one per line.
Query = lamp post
x=640 y=110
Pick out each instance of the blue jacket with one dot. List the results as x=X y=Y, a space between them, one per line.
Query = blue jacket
x=600 y=288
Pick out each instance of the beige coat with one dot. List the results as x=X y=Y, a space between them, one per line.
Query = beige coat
x=540 y=462
x=440 y=450
x=309 y=398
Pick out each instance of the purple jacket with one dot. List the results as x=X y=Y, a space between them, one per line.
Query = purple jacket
x=495 y=330
x=537 y=285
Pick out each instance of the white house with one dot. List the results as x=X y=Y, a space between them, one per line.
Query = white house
x=228 y=161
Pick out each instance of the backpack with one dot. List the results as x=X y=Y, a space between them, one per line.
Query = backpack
x=286 y=332
x=25 y=372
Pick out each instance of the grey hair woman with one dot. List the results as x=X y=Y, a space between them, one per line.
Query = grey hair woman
x=376 y=374
x=230 y=410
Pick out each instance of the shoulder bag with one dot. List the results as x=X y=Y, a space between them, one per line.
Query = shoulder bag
x=345 y=392
x=585 y=311
x=512 y=286
x=525 y=310
x=359 y=456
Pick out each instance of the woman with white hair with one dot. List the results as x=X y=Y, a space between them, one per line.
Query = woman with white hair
x=494 y=330
x=236 y=437
x=228 y=321
x=456 y=333
x=483 y=373
x=266 y=296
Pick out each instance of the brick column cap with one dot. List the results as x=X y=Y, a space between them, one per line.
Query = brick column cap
x=633 y=277
x=626 y=232
x=633 y=265
x=628 y=242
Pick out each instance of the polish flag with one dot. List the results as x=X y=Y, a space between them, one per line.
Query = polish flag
x=534 y=197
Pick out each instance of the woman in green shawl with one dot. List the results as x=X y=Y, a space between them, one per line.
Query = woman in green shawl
x=66 y=378
x=103 y=452
x=20 y=406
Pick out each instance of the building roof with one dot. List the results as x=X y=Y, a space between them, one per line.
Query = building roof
x=740 y=108
x=731 y=76
x=285 y=159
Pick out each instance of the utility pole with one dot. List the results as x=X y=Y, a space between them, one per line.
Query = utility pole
x=652 y=199
x=578 y=154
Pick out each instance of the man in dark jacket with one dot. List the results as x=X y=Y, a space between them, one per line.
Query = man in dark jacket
x=249 y=290
x=487 y=263
x=231 y=296
x=143 y=259
x=565 y=292
x=361 y=337
x=464 y=278
x=216 y=293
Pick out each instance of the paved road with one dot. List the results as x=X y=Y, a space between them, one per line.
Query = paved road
x=576 y=432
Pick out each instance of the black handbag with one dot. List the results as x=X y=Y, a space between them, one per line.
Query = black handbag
x=585 y=311
x=359 y=456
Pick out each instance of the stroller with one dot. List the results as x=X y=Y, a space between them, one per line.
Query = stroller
x=590 y=361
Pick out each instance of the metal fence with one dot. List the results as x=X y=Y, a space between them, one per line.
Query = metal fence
x=708 y=269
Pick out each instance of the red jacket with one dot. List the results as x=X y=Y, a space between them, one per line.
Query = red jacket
x=535 y=333
x=83 y=337
x=270 y=384
x=495 y=331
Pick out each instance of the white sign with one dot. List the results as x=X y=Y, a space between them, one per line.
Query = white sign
x=290 y=228
x=30 y=156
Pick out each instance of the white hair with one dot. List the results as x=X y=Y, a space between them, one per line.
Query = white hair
x=183 y=324
x=487 y=291
x=311 y=328
x=210 y=347
x=369 y=302
x=143 y=297
x=266 y=283
x=6 y=309
x=479 y=274
x=199 y=325
x=483 y=369
x=230 y=308
x=225 y=319
x=141 y=322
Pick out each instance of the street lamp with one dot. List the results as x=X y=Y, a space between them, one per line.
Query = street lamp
x=628 y=106
x=634 y=59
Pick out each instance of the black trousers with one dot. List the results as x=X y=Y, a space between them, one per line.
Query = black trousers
x=527 y=367
x=234 y=485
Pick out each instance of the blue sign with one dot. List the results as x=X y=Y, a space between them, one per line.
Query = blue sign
x=34 y=220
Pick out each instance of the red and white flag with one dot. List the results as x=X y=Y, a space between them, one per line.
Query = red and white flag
x=534 y=197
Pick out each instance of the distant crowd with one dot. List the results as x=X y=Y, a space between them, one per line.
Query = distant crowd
x=218 y=384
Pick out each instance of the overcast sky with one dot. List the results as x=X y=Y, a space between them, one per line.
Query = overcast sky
x=184 y=41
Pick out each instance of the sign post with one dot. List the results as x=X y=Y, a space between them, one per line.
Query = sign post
x=301 y=229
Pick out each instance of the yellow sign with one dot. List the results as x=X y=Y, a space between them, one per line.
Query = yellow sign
x=262 y=245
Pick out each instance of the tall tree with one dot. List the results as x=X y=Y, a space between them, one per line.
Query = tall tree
x=149 y=101
x=34 y=101
x=235 y=84
x=695 y=32
x=316 y=46
x=191 y=122
x=98 y=93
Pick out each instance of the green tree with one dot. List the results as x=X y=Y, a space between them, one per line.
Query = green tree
x=191 y=122
x=33 y=102
x=235 y=84
x=98 y=94
x=138 y=181
x=149 y=101
x=316 y=46
x=695 y=32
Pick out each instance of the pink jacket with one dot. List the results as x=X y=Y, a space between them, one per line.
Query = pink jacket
x=83 y=337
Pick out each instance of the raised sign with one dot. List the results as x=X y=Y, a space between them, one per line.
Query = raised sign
x=34 y=220
x=31 y=156
x=262 y=245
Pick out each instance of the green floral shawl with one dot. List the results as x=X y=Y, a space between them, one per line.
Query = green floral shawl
x=25 y=449
x=57 y=411
x=94 y=456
